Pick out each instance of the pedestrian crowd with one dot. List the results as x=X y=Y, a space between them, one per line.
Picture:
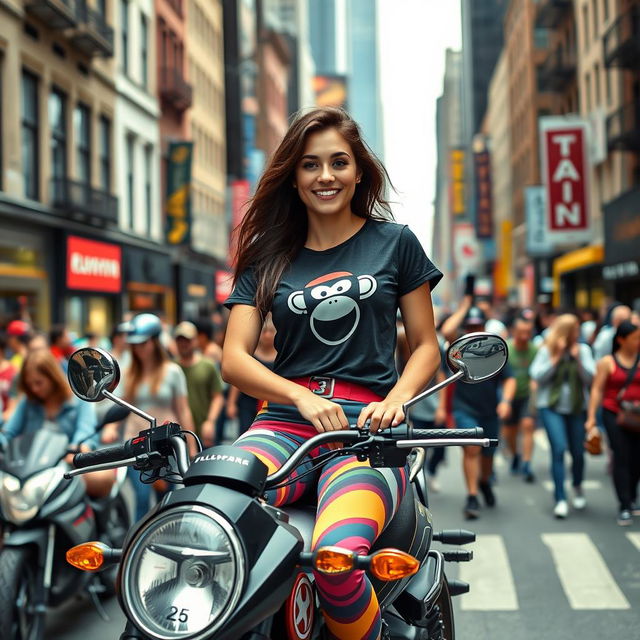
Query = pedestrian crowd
x=573 y=374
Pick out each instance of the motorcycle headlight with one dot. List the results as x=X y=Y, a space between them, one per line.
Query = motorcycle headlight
x=183 y=574
x=22 y=502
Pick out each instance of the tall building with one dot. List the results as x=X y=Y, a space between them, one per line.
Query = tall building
x=344 y=42
x=449 y=206
x=58 y=211
x=364 y=71
x=482 y=38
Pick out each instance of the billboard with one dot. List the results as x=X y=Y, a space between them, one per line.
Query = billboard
x=484 y=205
x=330 y=90
x=564 y=149
x=178 y=204
x=93 y=265
x=466 y=250
x=456 y=182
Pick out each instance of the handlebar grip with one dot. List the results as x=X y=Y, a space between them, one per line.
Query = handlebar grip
x=456 y=434
x=111 y=453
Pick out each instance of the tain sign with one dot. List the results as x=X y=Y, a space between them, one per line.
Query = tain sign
x=564 y=173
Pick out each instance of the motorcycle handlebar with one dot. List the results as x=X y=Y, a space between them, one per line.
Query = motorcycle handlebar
x=110 y=453
x=450 y=434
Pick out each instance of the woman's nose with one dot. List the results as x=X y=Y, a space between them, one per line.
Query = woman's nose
x=326 y=175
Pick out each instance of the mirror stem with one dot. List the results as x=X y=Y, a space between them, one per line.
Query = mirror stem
x=123 y=403
x=431 y=390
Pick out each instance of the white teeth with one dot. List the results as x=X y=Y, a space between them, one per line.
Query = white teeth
x=327 y=193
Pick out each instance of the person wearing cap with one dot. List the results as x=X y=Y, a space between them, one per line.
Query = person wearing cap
x=204 y=384
x=154 y=384
x=478 y=405
x=18 y=334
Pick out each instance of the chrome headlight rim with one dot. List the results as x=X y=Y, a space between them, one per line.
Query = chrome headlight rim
x=129 y=555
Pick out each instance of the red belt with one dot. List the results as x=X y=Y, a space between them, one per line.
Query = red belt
x=334 y=388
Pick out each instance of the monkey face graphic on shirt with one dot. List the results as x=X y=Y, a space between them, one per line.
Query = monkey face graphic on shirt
x=331 y=302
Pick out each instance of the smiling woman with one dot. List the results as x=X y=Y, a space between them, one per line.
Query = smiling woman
x=316 y=250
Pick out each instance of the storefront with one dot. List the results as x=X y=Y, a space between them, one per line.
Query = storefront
x=25 y=285
x=196 y=290
x=93 y=285
x=621 y=272
x=577 y=277
x=149 y=283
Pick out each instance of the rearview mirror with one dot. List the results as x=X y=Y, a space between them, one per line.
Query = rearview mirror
x=92 y=371
x=480 y=356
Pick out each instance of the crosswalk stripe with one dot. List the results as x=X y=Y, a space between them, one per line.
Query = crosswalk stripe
x=490 y=577
x=585 y=578
x=540 y=439
x=635 y=539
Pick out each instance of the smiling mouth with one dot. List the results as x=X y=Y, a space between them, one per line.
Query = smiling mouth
x=327 y=194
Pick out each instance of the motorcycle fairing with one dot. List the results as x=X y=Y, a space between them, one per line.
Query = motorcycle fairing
x=275 y=552
x=34 y=452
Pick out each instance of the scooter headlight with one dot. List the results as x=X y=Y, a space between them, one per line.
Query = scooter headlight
x=21 y=503
x=183 y=574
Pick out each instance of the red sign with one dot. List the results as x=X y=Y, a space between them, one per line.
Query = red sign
x=224 y=285
x=240 y=194
x=564 y=160
x=93 y=266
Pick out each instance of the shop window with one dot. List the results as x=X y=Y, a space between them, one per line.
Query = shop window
x=148 y=173
x=58 y=128
x=105 y=154
x=30 y=135
x=82 y=132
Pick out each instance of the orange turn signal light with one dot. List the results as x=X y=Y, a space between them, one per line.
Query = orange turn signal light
x=89 y=556
x=393 y=564
x=333 y=560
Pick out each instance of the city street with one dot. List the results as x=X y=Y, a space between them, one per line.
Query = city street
x=532 y=576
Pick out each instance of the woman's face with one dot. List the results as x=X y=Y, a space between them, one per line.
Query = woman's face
x=326 y=175
x=144 y=350
x=39 y=385
x=631 y=342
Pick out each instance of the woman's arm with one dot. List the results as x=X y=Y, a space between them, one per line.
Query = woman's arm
x=543 y=366
x=243 y=371
x=603 y=371
x=85 y=427
x=15 y=424
x=417 y=316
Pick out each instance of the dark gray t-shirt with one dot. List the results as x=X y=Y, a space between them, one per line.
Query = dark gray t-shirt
x=335 y=311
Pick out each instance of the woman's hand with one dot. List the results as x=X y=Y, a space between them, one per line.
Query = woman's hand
x=591 y=428
x=382 y=415
x=83 y=448
x=110 y=433
x=231 y=410
x=323 y=414
x=574 y=350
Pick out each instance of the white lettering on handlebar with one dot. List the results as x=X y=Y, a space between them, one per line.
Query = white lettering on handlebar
x=215 y=457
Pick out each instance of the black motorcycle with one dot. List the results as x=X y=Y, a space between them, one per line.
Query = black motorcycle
x=213 y=561
x=43 y=514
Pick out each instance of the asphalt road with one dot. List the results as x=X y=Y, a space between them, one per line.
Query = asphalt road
x=532 y=578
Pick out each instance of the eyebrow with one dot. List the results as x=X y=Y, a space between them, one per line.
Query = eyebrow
x=333 y=155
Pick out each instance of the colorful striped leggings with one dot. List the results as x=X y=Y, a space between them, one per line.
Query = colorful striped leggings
x=355 y=503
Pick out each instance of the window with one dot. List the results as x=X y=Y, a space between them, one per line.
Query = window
x=596 y=78
x=596 y=26
x=82 y=132
x=587 y=89
x=605 y=10
x=148 y=168
x=607 y=80
x=130 y=178
x=585 y=24
x=124 y=34
x=30 y=135
x=144 y=50
x=58 y=128
x=101 y=5
x=105 y=154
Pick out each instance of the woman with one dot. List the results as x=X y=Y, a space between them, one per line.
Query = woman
x=154 y=384
x=47 y=402
x=315 y=248
x=618 y=378
x=563 y=370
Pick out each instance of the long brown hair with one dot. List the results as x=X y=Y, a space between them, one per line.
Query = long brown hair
x=134 y=373
x=43 y=362
x=274 y=229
